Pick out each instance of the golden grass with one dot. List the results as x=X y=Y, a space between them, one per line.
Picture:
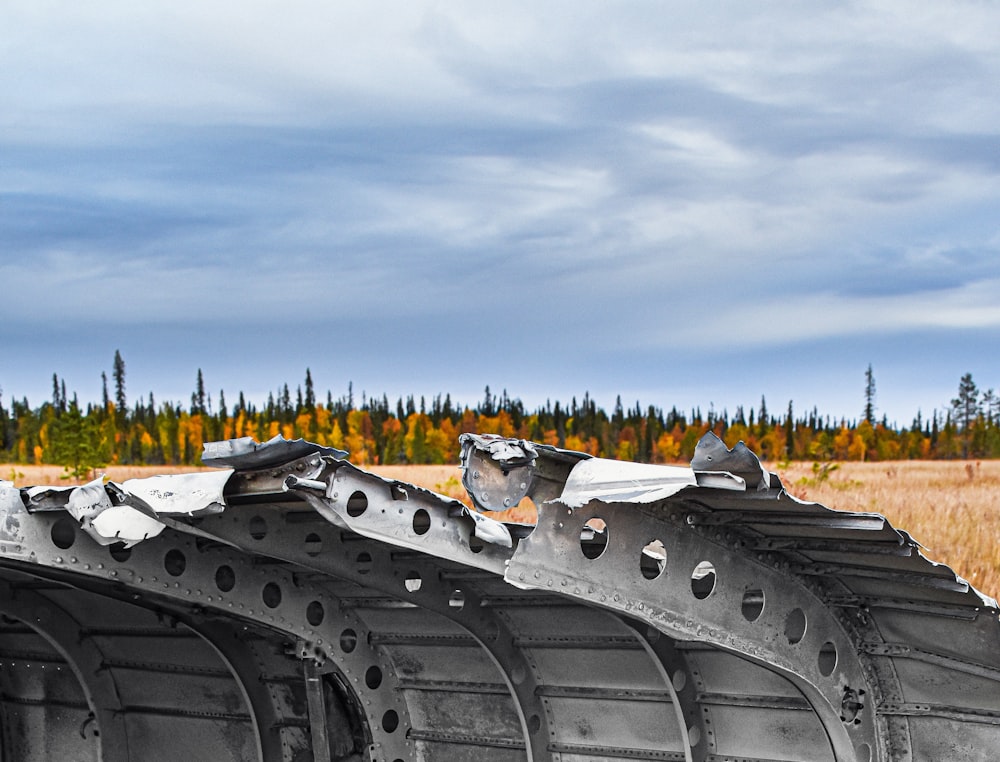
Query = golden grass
x=24 y=476
x=951 y=507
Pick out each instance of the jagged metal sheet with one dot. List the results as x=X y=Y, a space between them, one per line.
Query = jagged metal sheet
x=246 y=453
x=188 y=494
x=623 y=482
x=109 y=521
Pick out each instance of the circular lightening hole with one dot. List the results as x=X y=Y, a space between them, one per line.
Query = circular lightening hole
x=364 y=561
x=413 y=581
x=373 y=677
x=271 y=595
x=225 y=578
x=257 y=528
x=795 y=626
x=694 y=736
x=390 y=721
x=315 y=614
x=348 y=640
x=827 y=661
x=421 y=521
x=703 y=580
x=653 y=559
x=753 y=605
x=679 y=680
x=174 y=562
x=63 y=533
x=313 y=544
x=594 y=538
x=357 y=504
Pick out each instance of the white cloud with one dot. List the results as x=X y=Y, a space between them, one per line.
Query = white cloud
x=815 y=166
x=773 y=319
x=696 y=144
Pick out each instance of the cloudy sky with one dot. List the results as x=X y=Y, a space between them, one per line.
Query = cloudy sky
x=681 y=203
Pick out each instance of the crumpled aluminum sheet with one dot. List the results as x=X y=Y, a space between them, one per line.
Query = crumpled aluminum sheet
x=246 y=453
x=616 y=481
x=108 y=523
x=509 y=452
x=192 y=494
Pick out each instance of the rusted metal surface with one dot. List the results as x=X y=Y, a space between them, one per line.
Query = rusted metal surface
x=294 y=607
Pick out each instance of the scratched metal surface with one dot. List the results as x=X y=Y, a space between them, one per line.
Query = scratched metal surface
x=294 y=607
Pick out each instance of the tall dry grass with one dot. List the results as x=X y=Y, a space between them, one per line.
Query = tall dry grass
x=951 y=507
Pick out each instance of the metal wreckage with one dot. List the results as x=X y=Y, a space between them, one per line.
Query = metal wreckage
x=291 y=606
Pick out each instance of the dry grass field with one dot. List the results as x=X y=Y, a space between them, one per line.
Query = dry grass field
x=951 y=507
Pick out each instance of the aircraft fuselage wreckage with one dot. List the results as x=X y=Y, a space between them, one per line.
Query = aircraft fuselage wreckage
x=292 y=607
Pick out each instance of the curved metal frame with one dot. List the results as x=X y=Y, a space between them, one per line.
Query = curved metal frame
x=83 y=656
x=680 y=683
x=340 y=637
x=246 y=671
x=488 y=629
x=550 y=558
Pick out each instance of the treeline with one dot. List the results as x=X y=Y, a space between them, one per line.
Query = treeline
x=374 y=431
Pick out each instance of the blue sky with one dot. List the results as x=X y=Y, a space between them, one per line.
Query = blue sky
x=685 y=204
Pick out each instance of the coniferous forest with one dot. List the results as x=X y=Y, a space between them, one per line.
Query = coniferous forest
x=83 y=435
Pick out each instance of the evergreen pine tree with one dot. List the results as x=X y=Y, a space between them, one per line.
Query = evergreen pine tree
x=310 y=400
x=869 y=414
x=966 y=407
x=118 y=371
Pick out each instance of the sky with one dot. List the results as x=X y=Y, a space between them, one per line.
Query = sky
x=685 y=204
